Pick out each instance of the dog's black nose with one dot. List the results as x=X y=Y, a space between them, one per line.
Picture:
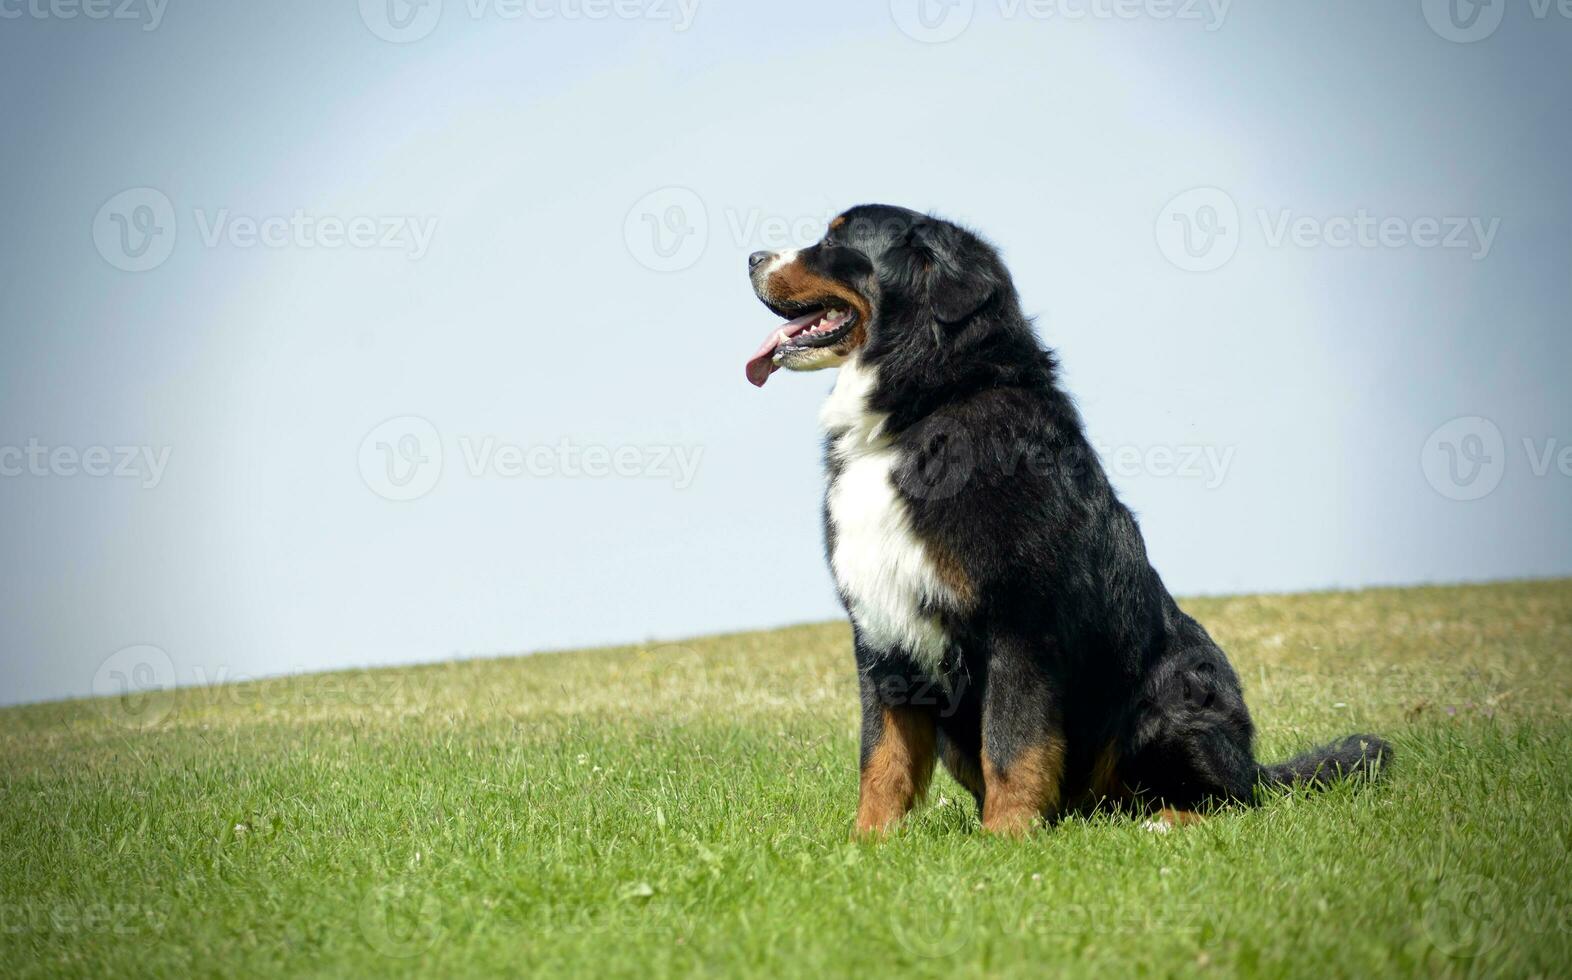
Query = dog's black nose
x=756 y=258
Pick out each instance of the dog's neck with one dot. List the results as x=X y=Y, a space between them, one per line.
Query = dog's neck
x=845 y=415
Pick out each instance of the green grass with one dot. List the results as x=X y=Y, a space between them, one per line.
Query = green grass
x=686 y=809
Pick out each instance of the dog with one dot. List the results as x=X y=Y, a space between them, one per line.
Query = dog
x=980 y=551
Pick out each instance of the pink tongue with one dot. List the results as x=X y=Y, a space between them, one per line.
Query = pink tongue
x=762 y=364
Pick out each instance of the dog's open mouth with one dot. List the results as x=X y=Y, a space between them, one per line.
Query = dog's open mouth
x=820 y=328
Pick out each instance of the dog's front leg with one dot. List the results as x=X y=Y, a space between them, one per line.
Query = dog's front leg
x=1023 y=742
x=898 y=738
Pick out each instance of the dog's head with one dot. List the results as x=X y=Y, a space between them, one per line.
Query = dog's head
x=881 y=279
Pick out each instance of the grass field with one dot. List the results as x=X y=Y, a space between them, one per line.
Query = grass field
x=686 y=809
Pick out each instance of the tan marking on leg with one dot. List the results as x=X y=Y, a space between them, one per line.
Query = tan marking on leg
x=1025 y=790
x=897 y=771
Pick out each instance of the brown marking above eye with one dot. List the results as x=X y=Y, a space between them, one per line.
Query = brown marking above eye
x=837 y=221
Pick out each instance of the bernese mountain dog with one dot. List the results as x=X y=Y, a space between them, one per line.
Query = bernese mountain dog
x=1005 y=617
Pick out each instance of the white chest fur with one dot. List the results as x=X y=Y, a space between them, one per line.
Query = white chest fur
x=883 y=569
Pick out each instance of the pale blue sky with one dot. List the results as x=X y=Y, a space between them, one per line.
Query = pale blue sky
x=1273 y=412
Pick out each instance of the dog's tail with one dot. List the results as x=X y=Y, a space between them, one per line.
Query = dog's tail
x=1357 y=756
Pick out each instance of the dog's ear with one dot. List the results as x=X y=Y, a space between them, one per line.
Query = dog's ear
x=958 y=270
